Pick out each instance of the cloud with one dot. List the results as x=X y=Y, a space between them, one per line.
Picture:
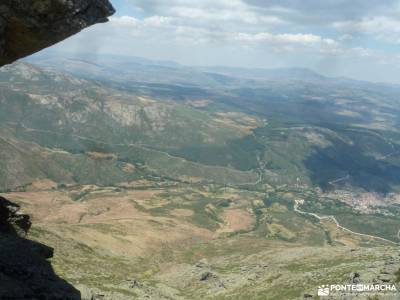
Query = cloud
x=207 y=11
x=125 y=21
x=298 y=38
x=131 y=22
x=292 y=42
x=381 y=27
x=326 y=11
x=335 y=34
x=170 y=29
x=251 y=19
x=224 y=18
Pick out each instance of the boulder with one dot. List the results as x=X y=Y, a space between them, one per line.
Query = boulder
x=206 y=276
x=355 y=278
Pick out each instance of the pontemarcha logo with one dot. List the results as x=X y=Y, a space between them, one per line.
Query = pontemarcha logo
x=323 y=290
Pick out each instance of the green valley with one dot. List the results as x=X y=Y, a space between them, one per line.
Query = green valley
x=173 y=182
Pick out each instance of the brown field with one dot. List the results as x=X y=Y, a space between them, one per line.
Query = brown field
x=235 y=220
x=109 y=222
x=42 y=184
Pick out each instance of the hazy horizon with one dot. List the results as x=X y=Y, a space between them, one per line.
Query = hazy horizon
x=83 y=56
x=355 y=39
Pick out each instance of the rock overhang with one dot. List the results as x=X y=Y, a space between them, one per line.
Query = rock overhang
x=29 y=26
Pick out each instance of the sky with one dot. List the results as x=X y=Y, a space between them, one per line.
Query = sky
x=352 y=38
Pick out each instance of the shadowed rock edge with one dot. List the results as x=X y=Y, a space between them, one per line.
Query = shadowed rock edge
x=31 y=25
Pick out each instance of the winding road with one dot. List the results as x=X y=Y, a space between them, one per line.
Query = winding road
x=333 y=182
x=296 y=209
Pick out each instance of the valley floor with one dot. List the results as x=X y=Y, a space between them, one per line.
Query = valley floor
x=152 y=240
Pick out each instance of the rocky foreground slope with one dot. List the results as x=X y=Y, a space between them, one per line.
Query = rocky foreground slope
x=25 y=272
x=163 y=240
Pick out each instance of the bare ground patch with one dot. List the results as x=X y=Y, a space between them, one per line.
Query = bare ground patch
x=236 y=220
x=179 y=212
x=111 y=224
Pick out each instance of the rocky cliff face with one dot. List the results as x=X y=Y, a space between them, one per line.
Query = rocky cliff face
x=31 y=25
x=25 y=272
x=10 y=220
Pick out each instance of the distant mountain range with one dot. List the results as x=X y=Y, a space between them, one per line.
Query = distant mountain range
x=208 y=117
x=141 y=69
